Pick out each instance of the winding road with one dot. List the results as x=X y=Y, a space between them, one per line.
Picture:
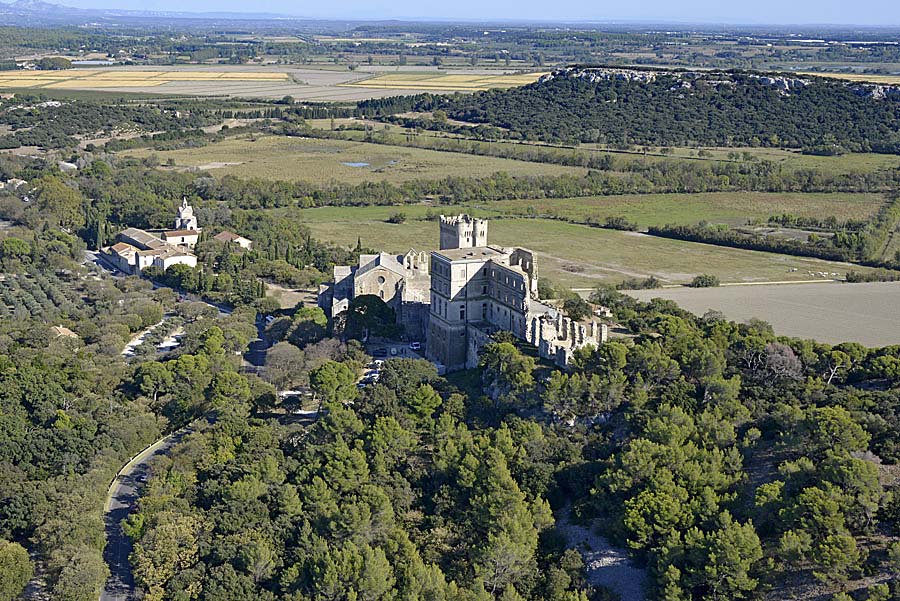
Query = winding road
x=124 y=491
x=123 y=494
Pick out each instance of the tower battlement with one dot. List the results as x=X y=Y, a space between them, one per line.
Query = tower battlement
x=463 y=231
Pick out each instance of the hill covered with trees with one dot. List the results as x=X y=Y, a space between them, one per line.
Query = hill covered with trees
x=734 y=464
x=688 y=108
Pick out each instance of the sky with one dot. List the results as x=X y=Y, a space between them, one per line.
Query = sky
x=771 y=12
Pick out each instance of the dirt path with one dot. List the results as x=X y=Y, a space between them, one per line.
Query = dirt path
x=605 y=565
x=138 y=338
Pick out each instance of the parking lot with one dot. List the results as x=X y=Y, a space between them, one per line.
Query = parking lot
x=382 y=351
x=392 y=350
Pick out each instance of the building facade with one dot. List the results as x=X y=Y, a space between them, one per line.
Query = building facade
x=186 y=220
x=459 y=296
x=463 y=231
x=401 y=281
x=477 y=291
x=138 y=249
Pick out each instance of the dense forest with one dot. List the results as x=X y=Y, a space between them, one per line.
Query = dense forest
x=684 y=109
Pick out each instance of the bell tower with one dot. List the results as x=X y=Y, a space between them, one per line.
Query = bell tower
x=186 y=219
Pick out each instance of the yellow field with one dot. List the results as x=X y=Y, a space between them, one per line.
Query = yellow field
x=323 y=38
x=77 y=84
x=92 y=78
x=441 y=81
x=885 y=79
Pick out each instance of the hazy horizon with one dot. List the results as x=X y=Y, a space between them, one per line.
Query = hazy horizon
x=866 y=13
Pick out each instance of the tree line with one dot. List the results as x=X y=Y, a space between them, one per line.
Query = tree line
x=865 y=245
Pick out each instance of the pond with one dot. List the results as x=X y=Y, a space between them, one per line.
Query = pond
x=353 y=164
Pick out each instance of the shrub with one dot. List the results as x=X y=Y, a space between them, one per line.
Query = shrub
x=704 y=281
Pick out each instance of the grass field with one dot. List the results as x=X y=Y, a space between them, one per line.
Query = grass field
x=322 y=161
x=573 y=255
x=444 y=81
x=866 y=77
x=787 y=159
x=793 y=159
x=833 y=313
x=734 y=208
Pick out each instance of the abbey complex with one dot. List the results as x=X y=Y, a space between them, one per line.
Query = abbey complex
x=467 y=291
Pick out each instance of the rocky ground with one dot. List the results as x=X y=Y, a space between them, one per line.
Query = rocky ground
x=605 y=565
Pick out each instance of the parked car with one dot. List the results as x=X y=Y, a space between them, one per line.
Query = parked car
x=380 y=352
x=415 y=346
x=393 y=352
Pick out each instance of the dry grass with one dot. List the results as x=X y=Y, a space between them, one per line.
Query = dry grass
x=865 y=77
x=323 y=161
x=828 y=312
x=443 y=81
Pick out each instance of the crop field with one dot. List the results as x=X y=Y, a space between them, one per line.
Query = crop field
x=828 y=312
x=866 y=77
x=96 y=79
x=261 y=82
x=733 y=208
x=443 y=81
x=573 y=255
x=323 y=161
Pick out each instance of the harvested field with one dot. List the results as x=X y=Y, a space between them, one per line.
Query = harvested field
x=828 y=312
x=92 y=79
x=257 y=82
x=323 y=161
x=574 y=255
x=441 y=81
x=865 y=77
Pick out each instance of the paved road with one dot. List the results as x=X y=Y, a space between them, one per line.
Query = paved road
x=256 y=351
x=125 y=492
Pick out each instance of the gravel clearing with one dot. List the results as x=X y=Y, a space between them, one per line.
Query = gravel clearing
x=604 y=564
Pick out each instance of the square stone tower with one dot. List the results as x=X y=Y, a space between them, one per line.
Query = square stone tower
x=463 y=231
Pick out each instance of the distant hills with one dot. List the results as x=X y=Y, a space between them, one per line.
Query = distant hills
x=40 y=13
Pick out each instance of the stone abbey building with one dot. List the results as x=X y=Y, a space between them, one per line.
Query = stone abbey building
x=465 y=293
x=478 y=289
